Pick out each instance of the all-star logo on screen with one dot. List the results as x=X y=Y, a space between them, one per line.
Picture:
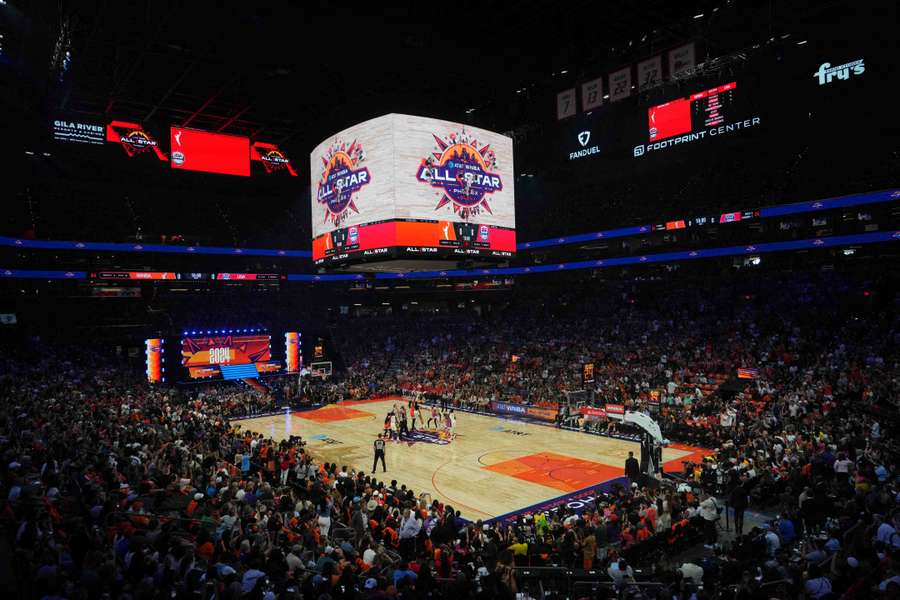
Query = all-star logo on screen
x=137 y=141
x=463 y=171
x=273 y=159
x=133 y=138
x=342 y=177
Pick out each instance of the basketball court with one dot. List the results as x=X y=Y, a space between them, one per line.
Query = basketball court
x=493 y=467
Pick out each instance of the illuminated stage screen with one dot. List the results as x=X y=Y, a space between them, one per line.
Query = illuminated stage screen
x=195 y=150
x=400 y=185
x=227 y=356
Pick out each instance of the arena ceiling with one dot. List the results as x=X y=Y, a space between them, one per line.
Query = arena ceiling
x=294 y=72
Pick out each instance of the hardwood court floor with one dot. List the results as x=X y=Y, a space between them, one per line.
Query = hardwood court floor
x=494 y=466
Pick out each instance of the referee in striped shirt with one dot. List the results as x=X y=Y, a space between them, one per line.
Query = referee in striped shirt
x=379 y=454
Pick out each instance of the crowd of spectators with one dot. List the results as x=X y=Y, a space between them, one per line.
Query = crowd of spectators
x=116 y=489
x=658 y=349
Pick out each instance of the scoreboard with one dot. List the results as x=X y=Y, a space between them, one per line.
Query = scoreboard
x=414 y=187
x=702 y=110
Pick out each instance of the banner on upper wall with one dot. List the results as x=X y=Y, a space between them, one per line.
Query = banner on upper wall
x=79 y=132
x=649 y=73
x=565 y=104
x=620 y=84
x=591 y=94
x=681 y=60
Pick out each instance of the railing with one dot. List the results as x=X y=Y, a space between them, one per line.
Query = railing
x=575 y=583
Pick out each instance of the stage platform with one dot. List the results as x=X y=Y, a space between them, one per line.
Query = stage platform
x=495 y=466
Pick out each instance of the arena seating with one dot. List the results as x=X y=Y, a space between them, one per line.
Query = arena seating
x=114 y=488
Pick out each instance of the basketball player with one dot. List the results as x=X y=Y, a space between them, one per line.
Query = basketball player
x=395 y=426
x=404 y=425
x=388 y=431
x=449 y=422
x=413 y=409
x=415 y=414
x=379 y=453
x=435 y=417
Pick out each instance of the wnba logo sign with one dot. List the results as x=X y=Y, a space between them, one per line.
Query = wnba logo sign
x=483 y=233
x=827 y=73
x=354 y=235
